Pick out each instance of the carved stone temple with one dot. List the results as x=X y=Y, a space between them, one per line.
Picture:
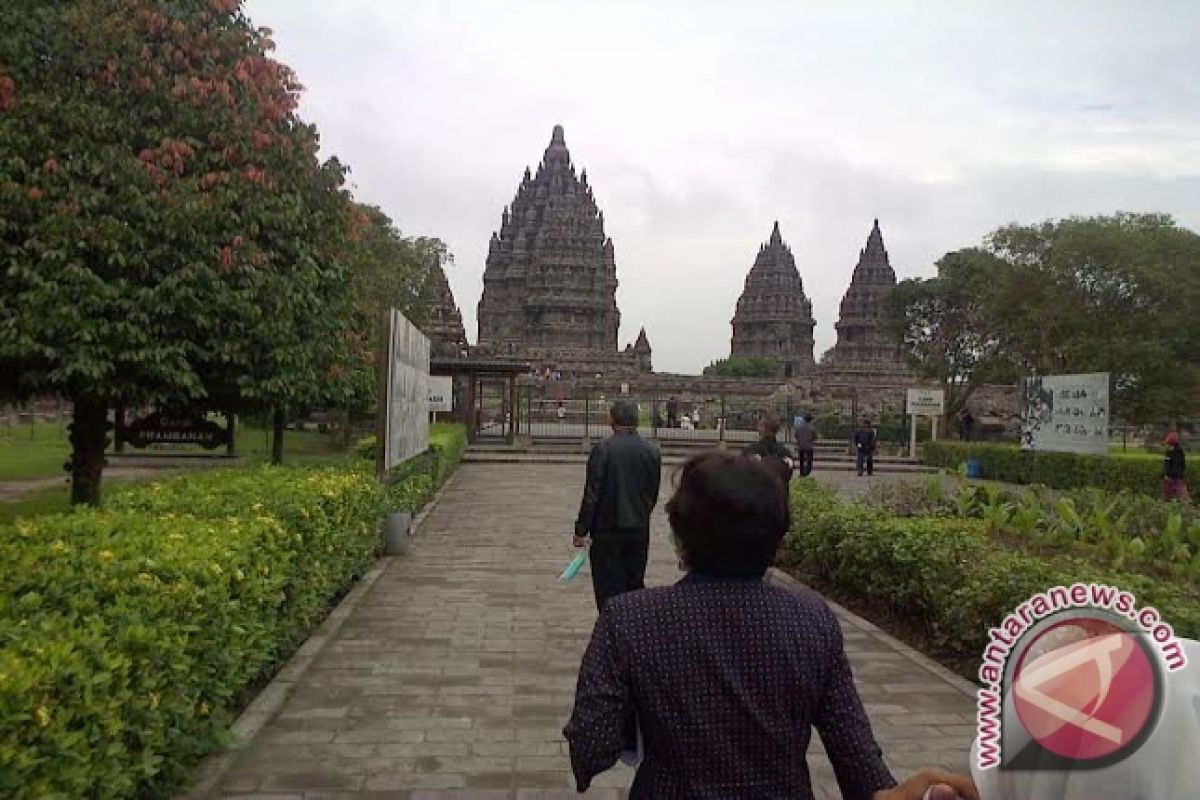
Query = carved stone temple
x=550 y=282
x=862 y=339
x=774 y=317
x=447 y=336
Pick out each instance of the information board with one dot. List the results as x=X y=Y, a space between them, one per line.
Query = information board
x=1065 y=413
x=926 y=402
x=407 y=416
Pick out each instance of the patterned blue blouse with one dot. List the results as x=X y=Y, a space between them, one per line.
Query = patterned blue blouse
x=726 y=679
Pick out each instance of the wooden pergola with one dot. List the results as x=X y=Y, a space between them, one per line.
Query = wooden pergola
x=475 y=371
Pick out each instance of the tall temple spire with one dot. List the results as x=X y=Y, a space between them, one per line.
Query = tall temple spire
x=774 y=316
x=862 y=337
x=550 y=287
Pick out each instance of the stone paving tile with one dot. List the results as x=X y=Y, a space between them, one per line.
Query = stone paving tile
x=455 y=674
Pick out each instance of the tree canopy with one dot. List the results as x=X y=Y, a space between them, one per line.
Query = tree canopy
x=1117 y=294
x=746 y=367
x=168 y=231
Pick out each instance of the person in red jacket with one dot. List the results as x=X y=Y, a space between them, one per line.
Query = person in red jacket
x=1174 y=486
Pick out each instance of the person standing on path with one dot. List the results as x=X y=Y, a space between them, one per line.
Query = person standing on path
x=672 y=413
x=865 y=443
x=1174 y=470
x=806 y=443
x=769 y=449
x=621 y=489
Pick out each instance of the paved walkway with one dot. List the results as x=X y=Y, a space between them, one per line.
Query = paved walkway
x=457 y=669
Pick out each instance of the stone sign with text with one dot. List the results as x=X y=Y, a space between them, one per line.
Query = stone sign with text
x=1065 y=413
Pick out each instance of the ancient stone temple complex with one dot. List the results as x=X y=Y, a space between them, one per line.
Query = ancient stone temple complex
x=862 y=340
x=447 y=336
x=549 y=286
x=774 y=317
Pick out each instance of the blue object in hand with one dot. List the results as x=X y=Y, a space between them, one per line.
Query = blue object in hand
x=576 y=564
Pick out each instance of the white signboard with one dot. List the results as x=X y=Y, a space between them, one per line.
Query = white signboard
x=926 y=402
x=441 y=393
x=407 y=417
x=1066 y=413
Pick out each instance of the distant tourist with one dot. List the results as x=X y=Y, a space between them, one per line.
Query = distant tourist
x=1174 y=485
x=967 y=422
x=620 y=491
x=723 y=676
x=696 y=418
x=770 y=450
x=672 y=413
x=561 y=411
x=685 y=422
x=806 y=443
x=865 y=443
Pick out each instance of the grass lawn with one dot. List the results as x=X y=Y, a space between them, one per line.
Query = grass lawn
x=39 y=451
x=51 y=500
x=32 y=451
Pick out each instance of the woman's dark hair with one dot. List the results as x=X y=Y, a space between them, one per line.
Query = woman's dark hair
x=729 y=514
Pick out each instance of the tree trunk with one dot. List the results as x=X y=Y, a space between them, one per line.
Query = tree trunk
x=89 y=429
x=277 y=436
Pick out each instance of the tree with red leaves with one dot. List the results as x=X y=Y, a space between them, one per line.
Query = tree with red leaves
x=168 y=233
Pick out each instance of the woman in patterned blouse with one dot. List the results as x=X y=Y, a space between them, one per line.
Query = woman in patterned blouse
x=724 y=674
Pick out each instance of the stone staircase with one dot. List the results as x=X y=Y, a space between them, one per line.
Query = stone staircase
x=828 y=456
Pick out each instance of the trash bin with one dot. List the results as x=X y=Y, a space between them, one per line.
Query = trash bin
x=974 y=468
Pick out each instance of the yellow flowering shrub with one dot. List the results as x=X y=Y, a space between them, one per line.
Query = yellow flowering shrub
x=131 y=635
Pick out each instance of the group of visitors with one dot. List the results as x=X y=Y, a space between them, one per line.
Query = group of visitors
x=712 y=687
x=804 y=433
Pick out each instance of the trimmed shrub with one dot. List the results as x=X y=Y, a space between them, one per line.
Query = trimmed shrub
x=132 y=634
x=943 y=573
x=1011 y=464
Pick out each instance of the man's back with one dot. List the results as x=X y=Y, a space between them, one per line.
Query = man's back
x=806 y=435
x=624 y=472
x=864 y=439
x=727 y=676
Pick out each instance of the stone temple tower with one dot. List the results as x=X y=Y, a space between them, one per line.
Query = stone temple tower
x=774 y=317
x=549 y=286
x=862 y=339
x=447 y=336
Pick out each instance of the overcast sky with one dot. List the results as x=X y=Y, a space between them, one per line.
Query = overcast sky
x=700 y=123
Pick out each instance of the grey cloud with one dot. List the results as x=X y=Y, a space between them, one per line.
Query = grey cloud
x=702 y=122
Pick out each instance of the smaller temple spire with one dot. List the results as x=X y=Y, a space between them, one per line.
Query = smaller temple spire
x=874 y=249
x=776 y=236
x=643 y=342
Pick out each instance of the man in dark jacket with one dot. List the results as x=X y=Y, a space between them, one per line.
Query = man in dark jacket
x=806 y=443
x=621 y=489
x=865 y=442
x=770 y=450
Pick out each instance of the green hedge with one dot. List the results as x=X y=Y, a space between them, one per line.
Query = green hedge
x=1011 y=464
x=132 y=634
x=946 y=575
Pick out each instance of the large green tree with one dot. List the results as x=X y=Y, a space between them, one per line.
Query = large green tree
x=167 y=232
x=1117 y=294
x=943 y=324
x=385 y=270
